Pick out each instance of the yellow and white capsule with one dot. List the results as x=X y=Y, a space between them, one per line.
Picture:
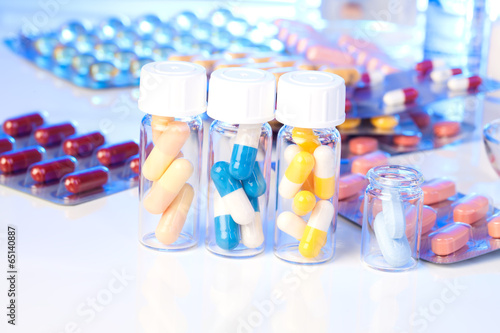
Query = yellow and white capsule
x=289 y=154
x=324 y=172
x=315 y=233
x=296 y=174
x=291 y=224
x=303 y=203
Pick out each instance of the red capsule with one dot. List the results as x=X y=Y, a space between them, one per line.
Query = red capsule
x=83 y=145
x=135 y=165
x=23 y=125
x=55 y=169
x=54 y=135
x=118 y=153
x=86 y=180
x=20 y=160
x=6 y=144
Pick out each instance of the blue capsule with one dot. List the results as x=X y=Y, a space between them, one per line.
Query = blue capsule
x=242 y=160
x=123 y=60
x=125 y=39
x=223 y=180
x=185 y=21
x=105 y=51
x=164 y=34
x=64 y=54
x=227 y=232
x=110 y=27
x=255 y=185
x=144 y=47
x=82 y=62
x=146 y=25
x=102 y=71
x=255 y=203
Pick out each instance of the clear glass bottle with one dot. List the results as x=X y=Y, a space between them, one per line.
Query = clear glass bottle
x=173 y=94
x=310 y=105
x=392 y=219
x=241 y=101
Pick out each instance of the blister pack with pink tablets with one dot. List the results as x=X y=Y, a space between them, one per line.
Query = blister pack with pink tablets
x=455 y=227
x=57 y=164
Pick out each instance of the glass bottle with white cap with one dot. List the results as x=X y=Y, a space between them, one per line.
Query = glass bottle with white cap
x=241 y=101
x=172 y=94
x=310 y=105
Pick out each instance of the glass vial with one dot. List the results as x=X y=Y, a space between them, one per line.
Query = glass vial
x=392 y=218
x=173 y=95
x=241 y=102
x=310 y=105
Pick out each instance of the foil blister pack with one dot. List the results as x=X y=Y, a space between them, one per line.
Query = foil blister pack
x=56 y=164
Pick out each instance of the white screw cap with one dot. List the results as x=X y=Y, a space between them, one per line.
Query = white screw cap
x=173 y=89
x=242 y=96
x=311 y=99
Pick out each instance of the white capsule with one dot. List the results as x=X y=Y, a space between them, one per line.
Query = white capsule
x=322 y=215
x=400 y=96
x=239 y=206
x=464 y=83
x=291 y=224
x=441 y=75
x=324 y=157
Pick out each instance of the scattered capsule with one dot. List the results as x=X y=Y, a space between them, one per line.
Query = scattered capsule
x=351 y=184
x=6 y=144
x=494 y=227
x=437 y=190
x=227 y=232
x=20 y=160
x=400 y=96
x=232 y=193
x=315 y=233
x=471 y=209
x=23 y=125
x=428 y=65
x=135 y=164
x=245 y=150
x=362 y=145
x=450 y=238
x=407 y=140
x=172 y=220
x=305 y=139
x=255 y=185
x=86 y=180
x=350 y=75
x=385 y=122
x=291 y=224
x=365 y=162
x=464 y=83
x=350 y=123
x=118 y=153
x=303 y=203
x=168 y=145
x=165 y=190
x=83 y=145
x=441 y=75
x=296 y=174
x=54 y=169
x=252 y=234
x=53 y=135
x=373 y=78
x=324 y=172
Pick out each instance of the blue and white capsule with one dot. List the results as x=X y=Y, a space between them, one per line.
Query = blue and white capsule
x=227 y=232
x=252 y=235
x=255 y=185
x=245 y=150
x=232 y=193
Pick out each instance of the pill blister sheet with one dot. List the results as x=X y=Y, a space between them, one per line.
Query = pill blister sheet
x=480 y=243
x=367 y=101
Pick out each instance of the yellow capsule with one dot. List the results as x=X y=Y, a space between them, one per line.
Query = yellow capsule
x=324 y=172
x=315 y=233
x=303 y=203
x=305 y=139
x=349 y=124
x=296 y=174
x=385 y=122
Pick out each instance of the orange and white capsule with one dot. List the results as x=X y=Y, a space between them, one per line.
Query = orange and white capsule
x=464 y=83
x=164 y=191
x=168 y=146
x=296 y=174
x=324 y=172
x=441 y=75
x=172 y=221
x=400 y=96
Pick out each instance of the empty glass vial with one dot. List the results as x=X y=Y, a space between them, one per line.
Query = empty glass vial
x=173 y=95
x=310 y=105
x=392 y=218
x=241 y=102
